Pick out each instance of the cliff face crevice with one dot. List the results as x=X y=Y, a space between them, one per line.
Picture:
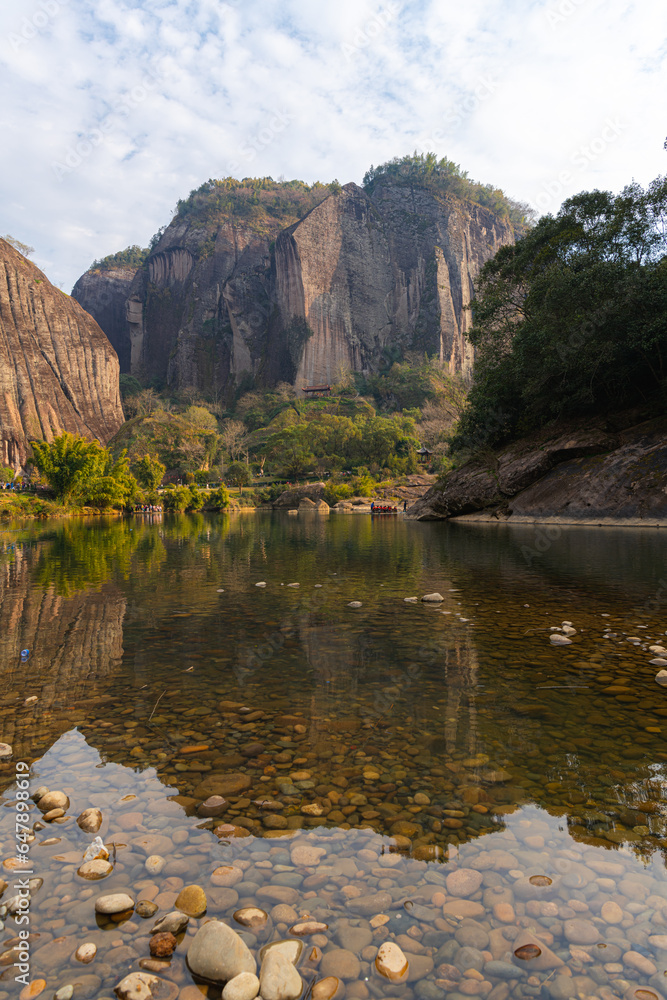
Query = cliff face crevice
x=225 y=301
x=58 y=371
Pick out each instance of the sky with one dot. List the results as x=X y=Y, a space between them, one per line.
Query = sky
x=112 y=110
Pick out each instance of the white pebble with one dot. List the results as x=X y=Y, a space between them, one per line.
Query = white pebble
x=559 y=640
x=354 y=604
x=262 y=584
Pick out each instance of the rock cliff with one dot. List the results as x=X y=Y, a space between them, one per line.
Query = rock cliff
x=103 y=294
x=608 y=471
x=58 y=371
x=230 y=298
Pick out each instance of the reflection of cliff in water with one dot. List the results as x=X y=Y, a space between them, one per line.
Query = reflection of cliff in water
x=76 y=647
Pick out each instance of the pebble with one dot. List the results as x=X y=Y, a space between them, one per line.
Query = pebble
x=146 y=908
x=145 y=986
x=214 y=805
x=463 y=882
x=192 y=900
x=154 y=864
x=93 y=870
x=163 y=945
x=90 y=820
x=640 y=963
x=6 y=750
x=434 y=598
x=341 y=963
x=611 y=912
x=53 y=800
x=245 y=986
x=391 y=963
x=251 y=917
x=329 y=988
x=308 y=927
x=217 y=953
x=86 y=952
x=118 y=902
x=307 y=855
x=556 y=639
x=278 y=977
x=173 y=923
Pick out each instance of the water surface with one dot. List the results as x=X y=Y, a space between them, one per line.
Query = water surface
x=405 y=741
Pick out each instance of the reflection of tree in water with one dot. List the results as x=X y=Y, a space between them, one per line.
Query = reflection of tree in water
x=79 y=556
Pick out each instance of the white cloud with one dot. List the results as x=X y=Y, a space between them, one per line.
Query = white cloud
x=141 y=100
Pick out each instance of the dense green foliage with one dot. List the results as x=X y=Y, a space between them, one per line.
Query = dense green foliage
x=254 y=199
x=572 y=319
x=83 y=471
x=6 y=474
x=444 y=177
x=149 y=472
x=324 y=442
x=131 y=257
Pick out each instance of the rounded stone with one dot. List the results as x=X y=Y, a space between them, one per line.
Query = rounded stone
x=245 y=986
x=278 y=978
x=251 y=917
x=341 y=963
x=329 y=988
x=218 y=954
x=93 y=870
x=173 y=923
x=145 y=986
x=53 y=800
x=146 y=908
x=434 y=598
x=90 y=820
x=391 y=963
x=581 y=931
x=214 y=805
x=162 y=945
x=191 y=900
x=85 y=953
x=611 y=912
x=117 y=902
x=226 y=876
x=463 y=882
x=154 y=864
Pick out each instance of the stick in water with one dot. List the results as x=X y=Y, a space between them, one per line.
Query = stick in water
x=156 y=704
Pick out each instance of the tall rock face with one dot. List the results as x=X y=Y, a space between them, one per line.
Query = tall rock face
x=395 y=270
x=225 y=300
x=58 y=371
x=103 y=294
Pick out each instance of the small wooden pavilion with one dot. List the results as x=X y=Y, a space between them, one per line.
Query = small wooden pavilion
x=316 y=390
x=424 y=455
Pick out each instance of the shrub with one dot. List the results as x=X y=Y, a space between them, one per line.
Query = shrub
x=219 y=499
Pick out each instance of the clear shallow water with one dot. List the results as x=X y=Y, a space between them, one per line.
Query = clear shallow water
x=407 y=741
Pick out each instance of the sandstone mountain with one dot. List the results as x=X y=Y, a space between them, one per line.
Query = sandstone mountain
x=58 y=371
x=283 y=282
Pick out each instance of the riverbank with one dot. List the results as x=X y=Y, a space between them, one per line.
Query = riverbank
x=606 y=471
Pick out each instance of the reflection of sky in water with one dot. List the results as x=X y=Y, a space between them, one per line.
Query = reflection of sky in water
x=529 y=760
x=579 y=946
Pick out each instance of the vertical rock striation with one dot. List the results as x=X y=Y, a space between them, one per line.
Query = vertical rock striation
x=58 y=371
x=225 y=300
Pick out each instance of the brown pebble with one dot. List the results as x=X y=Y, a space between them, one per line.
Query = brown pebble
x=163 y=945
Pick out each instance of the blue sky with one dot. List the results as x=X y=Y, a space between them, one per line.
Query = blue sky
x=114 y=109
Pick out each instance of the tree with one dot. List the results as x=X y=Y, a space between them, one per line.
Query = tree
x=6 y=474
x=570 y=320
x=219 y=499
x=67 y=463
x=149 y=471
x=21 y=247
x=84 y=471
x=233 y=435
x=239 y=474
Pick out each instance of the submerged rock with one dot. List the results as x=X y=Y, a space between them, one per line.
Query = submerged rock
x=278 y=978
x=145 y=986
x=391 y=963
x=245 y=986
x=90 y=820
x=218 y=954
